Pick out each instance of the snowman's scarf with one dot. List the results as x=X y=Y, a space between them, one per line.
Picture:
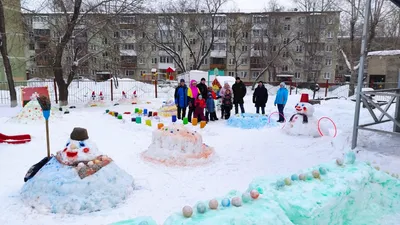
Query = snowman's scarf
x=85 y=171
x=305 y=117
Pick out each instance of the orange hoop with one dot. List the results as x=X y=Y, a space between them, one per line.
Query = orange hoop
x=319 y=128
x=284 y=119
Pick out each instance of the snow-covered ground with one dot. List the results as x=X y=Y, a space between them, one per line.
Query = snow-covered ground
x=242 y=156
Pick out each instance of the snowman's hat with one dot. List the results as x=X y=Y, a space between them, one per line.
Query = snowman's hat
x=123 y=92
x=93 y=93
x=101 y=93
x=304 y=98
x=134 y=92
x=79 y=134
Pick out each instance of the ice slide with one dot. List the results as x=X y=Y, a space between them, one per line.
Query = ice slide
x=15 y=139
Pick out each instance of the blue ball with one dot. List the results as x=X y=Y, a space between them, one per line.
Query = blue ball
x=294 y=177
x=309 y=177
x=322 y=170
x=226 y=202
x=201 y=208
x=280 y=184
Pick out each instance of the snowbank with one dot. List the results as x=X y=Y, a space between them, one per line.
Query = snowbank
x=177 y=145
x=57 y=188
x=250 y=121
x=349 y=194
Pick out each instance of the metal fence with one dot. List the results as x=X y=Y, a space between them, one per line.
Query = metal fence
x=79 y=92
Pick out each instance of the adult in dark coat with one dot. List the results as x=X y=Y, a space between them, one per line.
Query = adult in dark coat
x=203 y=88
x=239 y=91
x=260 y=98
x=181 y=99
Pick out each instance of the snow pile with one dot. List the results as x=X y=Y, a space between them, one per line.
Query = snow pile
x=77 y=180
x=33 y=112
x=177 y=145
x=250 y=121
x=327 y=194
x=137 y=221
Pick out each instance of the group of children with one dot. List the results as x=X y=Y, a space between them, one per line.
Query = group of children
x=208 y=105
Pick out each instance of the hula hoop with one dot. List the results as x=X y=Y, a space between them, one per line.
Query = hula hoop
x=284 y=119
x=319 y=128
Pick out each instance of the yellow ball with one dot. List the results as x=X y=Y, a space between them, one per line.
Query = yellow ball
x=315 y=174
x=377 y=168
x=288 y=181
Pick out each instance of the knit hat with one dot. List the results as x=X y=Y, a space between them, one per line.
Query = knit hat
x=79 y=134
x=203 y=79
x=182 y=81
x=283 y=84
x=237 y=78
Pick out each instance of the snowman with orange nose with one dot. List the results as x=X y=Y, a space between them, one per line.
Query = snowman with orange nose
x=82 y=154
x=303 y=121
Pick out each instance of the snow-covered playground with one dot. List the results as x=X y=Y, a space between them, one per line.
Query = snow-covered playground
x=301 y=179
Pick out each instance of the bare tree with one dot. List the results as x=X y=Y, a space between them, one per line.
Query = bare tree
x=79 y=32
x=274 y=45
x=314 y=5
x=187 y=28
x=239 y=36
x=5 y=57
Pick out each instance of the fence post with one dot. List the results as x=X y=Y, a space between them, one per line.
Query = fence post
x=112 y=90
x=55 y=90
x=326 y=88
x=155 y=86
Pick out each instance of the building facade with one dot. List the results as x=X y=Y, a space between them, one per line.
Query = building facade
x=15 y=40
x=383 y=69
x=281 y=45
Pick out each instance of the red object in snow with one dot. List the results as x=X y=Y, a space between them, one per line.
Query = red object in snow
x=93 y=93
x=101 y=93
x=123 y=92
x=16 y=139
x=134 y=93
x=170 y=70
x=304 y=98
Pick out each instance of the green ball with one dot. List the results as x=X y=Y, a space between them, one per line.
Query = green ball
x=120 y=117
x=309 y=177
x=260 y=190
x=107 y=110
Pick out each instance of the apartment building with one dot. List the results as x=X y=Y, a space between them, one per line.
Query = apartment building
x=285 y=45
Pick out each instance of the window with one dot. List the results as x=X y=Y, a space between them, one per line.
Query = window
x=105 y=54
x=285 y=54
x=302 y=20
x=231 y=74
x=245 y=35
x=244 y=61
x=299 y=48
x=243 y=74
x=300 y=34
x=231 y=62
x=141 y=61
x=192 y=41
x=286 y=41
x=244 y=48
x=219 y=34
x=129 y=73
x=231 y=48
x=274 y=48
x=297 y=75
x=116 y=34
x=285 y=68
x=329 y=34
x=328 y=62
x=129 y=46
x=142 y=72
x=205 y=61
x=127 y=19
x=166 y=59
x=255 y=74
x=154 y=60
x=327 y=76
x=31 y=46
x=328 y=48
x=256 y=33
x=105 y=41
x=179 y=48
x=286 y=27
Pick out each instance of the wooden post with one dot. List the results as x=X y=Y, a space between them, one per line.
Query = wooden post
x=155 y=86
x=112 y=90
x=48 y=138
x=326 y=88
x=397 y=109
x=55 y=90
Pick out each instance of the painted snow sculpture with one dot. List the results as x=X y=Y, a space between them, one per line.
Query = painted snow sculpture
x=79 y=179
x=303 y=122
x=33 y=112
x=125 y=100
x=177 y=145
x=96 y=101
x=250 y=121
x=168 y=108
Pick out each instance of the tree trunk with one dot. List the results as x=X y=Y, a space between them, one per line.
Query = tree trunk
x=62 y=86
x=6 y=60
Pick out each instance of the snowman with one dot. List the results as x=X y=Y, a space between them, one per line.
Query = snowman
x=303 y=121
x=79 y=179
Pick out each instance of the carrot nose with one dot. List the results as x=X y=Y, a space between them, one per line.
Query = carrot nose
x=73 y=146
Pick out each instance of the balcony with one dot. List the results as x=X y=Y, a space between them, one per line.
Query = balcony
x=256 y=53
x=218 y=53
x=128 y=65
x=219 y=66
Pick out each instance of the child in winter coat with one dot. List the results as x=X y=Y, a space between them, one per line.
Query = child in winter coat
x=210 y=110
x=227 y=103
x=200 y=105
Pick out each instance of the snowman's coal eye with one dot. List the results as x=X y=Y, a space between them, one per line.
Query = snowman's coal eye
x=67 y=144
x=82 y=144
x=302 y=105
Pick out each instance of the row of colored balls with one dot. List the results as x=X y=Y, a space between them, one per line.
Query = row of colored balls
x=213 y=204
x=314 y=174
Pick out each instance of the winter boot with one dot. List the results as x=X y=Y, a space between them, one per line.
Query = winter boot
x=214 y=116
